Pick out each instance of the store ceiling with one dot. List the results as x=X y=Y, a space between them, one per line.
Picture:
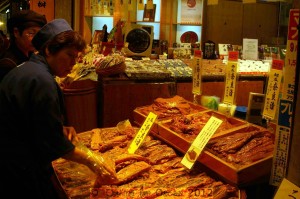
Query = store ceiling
x=4 y=4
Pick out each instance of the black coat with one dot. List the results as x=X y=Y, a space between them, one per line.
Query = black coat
x=31 y=130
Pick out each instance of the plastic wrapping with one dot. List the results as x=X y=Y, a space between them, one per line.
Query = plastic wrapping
x=104 y=168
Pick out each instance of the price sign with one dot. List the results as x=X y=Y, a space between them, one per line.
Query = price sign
x=149 y=4
x=142 y=133
x=197 y=73
x=231 y=78
x=200 y=142
x=140 y=4
x=272 y=93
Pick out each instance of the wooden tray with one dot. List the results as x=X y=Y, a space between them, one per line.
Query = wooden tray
x=239 y=176
x=242 y=175
x=140 y=113
x=235 y=122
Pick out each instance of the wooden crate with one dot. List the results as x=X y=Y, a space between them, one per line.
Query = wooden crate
x=167 y=125
x=242 y=175
x=239 y=176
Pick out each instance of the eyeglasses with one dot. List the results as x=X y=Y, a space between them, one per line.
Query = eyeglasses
x=30 y=34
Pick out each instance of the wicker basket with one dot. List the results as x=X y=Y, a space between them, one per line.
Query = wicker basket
x=112 y=70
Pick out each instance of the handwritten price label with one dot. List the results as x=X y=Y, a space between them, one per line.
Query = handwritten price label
x=143 y=132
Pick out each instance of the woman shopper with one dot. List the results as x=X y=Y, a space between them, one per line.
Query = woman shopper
x=31 y=123
x=22 y=27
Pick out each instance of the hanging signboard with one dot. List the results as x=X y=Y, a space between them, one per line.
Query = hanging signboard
x=273 y=88
x=231 y=78
x=291 y=56
x=197 y=73
x=191 y=11
x=285 y=112
x=282 y=138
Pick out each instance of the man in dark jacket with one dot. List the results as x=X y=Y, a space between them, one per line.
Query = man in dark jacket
x=22 y=26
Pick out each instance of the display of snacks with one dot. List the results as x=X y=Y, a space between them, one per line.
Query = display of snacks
x=153 y=171
x=146 y=69
x=110 y=65
x=213 y=67
x=189 y=126
x=178 y=69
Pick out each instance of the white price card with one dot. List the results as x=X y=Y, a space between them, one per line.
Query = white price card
x=287 y=190
x=200 y=142
x=142 y=133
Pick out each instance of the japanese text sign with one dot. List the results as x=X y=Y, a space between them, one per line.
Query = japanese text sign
x=142 y=133
x=197 y=73
x=273 y=88
x=200 y=142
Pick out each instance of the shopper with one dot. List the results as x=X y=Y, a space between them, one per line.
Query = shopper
x=31 y=123
x=22 y=26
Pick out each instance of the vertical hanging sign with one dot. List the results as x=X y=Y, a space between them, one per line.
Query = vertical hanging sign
x=285 y=112
x=130 y=5
x=197 y=72
x=273 y=88
x=291 y=56
x=149 y=4
x=231 y=77
x=140 y=5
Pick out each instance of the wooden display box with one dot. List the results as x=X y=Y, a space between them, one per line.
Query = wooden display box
x=239 y=176
x=140 y=114
x=231 y=124
x=242 y=175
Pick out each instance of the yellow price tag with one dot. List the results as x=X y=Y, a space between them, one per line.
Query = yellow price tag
x=230 y=82
x=140 y=4
x=142 y=133
x=200 y=142
x=197 y=73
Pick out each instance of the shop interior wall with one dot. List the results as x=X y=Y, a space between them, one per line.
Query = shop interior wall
x=230 y=21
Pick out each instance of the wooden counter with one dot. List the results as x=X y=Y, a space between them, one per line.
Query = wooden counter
x=118 y=97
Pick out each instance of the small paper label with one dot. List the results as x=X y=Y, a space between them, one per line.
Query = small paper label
x=200 y=142
x=233 y=56
x=250 y=49
x=142 y=133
